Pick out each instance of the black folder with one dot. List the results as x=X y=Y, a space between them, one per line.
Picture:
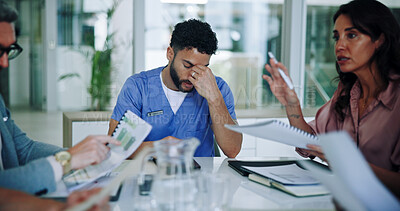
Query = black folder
x=237 y=165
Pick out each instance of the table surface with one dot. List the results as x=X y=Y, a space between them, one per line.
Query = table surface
x=243 y=193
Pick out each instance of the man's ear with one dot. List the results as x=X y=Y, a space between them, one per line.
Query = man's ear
x=170 y=54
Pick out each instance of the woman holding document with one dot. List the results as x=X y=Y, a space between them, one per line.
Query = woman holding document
x=366 y=103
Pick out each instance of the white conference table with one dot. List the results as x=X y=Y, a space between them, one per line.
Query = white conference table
x=243 y=194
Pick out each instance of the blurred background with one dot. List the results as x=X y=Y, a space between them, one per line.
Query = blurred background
x=61 y=38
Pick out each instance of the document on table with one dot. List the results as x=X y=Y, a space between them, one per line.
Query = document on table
x=131 y=131
x=285 y=174
x=126 y=171
x=278 y=131
x=62 y=193
x=295 y=190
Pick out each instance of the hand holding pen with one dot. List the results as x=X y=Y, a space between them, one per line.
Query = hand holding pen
x=279 y=82
x=283 y=74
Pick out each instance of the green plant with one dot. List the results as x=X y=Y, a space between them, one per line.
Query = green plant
x=100 y=83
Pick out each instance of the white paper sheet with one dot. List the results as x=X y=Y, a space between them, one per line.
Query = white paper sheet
x=278 y=131
x=131 y=131
x=339 y=191
x=286 y=174
x=127 y=171
x=353 y=175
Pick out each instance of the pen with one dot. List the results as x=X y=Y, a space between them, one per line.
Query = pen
x=284 y=76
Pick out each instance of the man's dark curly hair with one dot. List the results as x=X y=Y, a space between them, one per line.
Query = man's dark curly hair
x=194 y=33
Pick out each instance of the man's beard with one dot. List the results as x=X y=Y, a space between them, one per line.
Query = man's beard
x=176 y=79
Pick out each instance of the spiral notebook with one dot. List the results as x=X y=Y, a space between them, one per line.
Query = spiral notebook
x=278 y=131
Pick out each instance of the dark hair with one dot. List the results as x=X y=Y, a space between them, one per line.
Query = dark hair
x=7 y=13
x=374 y=19
x=194 y=33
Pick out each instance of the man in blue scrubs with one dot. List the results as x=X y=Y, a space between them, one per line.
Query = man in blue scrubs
x=184 y=99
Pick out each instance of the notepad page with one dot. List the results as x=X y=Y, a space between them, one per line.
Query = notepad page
x=278 y=131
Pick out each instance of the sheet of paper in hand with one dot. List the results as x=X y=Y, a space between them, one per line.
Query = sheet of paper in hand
x=131 y=131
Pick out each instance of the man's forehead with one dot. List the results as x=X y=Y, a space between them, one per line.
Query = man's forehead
x=195 y=59
x=192 y=52
x=7 y=34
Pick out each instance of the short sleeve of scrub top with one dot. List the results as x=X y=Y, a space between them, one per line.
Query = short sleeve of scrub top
x=129 y=98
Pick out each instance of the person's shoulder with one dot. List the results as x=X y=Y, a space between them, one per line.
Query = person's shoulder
x=3 y=109
x=147 y=73
x=145 y=76
x=221 y=82
x=1 y=101
x=223 y=87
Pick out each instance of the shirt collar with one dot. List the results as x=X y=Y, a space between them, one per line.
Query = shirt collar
x=388 y=97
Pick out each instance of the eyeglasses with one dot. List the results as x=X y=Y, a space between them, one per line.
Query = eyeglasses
x=13 y=51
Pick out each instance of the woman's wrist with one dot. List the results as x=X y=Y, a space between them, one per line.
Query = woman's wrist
x=294 y=111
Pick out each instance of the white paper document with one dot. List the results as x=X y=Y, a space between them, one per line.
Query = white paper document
x=131 y=131
x=335 y=186
x=278 y=131
x=285 y=174
x=352 y=183
x=126 y=171
x=62 y=191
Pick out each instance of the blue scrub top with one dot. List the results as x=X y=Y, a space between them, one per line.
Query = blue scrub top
x=143 y=94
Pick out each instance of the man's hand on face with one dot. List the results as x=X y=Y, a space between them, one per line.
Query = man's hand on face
x=92 y=150
x=204 y=82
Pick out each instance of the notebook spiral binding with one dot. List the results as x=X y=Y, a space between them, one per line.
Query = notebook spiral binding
x=119 y=123
x=302 y=132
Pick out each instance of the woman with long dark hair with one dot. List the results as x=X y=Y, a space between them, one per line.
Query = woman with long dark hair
x=366 y=103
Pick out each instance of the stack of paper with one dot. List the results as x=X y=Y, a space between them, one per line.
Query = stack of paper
x=289 y=178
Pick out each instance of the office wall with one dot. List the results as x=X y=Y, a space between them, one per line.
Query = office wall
x=19 y=71
x=19 y=82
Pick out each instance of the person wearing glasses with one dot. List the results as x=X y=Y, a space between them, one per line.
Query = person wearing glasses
x=366 y=103
x=28 y=165
x=13 y=51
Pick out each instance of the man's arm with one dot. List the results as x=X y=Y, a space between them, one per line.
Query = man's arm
x=25 y=165
x=38 y=176
x=111 y=126
x=205 y=83
x=35 y=177
x=15 y=200
x=229 y=141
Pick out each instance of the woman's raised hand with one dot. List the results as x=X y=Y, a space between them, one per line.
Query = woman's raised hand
x=278 y=86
